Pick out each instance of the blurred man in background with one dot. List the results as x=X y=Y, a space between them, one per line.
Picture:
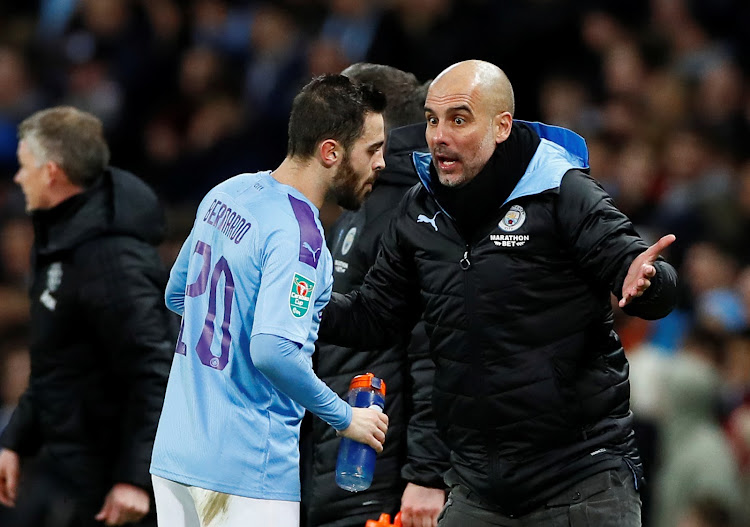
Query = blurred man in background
x=101 y=337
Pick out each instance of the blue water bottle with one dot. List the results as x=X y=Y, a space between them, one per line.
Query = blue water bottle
x=356 y=462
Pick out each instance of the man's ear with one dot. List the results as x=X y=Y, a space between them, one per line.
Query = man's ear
x=503 y=124
x=330 y=152
x=53 y=173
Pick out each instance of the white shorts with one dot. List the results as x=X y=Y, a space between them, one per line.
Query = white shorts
x=179 y=505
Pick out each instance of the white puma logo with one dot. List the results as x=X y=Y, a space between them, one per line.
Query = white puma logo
x=424 y=219
x=314 y=253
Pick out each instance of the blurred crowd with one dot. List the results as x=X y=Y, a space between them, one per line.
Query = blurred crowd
x=194 y=91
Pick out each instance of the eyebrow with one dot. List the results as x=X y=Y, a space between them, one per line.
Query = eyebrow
x=459 y=108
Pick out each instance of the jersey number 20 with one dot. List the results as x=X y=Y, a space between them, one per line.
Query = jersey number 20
x=197 y=288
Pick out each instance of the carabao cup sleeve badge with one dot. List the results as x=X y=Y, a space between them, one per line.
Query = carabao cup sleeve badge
x=300 y=295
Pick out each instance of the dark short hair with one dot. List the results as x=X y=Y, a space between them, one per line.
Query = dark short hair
x=70 y=137
x=404 y=93
x=330 y=107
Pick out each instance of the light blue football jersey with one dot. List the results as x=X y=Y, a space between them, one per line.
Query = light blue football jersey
x=254 y=263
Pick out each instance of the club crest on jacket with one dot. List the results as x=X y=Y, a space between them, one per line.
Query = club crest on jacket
x=513 y=219
x=348 y=240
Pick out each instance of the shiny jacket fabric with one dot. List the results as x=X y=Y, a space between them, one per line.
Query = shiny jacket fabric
x=413 y=451
x=531 y=386
x=101 y=337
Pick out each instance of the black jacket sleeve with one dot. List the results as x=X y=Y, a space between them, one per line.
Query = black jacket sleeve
x=21 y=433
x=136 y=332
x=427 y=457
x=604 y=243
x=386 y=307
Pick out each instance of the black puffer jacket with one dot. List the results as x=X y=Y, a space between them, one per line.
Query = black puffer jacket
x=102 y=339
x=413 y=451
x=531 y=388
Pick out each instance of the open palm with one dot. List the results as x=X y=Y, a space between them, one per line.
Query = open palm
x=642 y=270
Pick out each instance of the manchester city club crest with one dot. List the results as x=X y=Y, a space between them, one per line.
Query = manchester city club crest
x=513 y=219
x=300 y=295
x=348 y=240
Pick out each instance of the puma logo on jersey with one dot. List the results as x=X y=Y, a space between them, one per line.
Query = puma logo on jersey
x=424 y=219
x=314 y=253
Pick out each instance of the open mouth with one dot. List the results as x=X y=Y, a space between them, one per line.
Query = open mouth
x=446 y=162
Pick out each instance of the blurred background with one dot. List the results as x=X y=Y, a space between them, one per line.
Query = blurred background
x=194 y=91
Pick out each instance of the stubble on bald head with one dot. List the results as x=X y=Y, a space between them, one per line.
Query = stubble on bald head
x=489 y=81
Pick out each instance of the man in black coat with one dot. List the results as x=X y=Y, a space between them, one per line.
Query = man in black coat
x=102 y=339
x=409 y=472
x=510 y=253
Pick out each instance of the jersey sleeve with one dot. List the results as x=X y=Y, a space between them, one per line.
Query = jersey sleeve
x=289 y=289
x=284 y=364
x=174 y=294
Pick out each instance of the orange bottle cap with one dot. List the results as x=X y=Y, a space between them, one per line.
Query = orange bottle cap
x=385 y=521
x=368 y=380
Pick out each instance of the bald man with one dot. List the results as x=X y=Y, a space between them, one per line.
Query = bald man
x=510 y=252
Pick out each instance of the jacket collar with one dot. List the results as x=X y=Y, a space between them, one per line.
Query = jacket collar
x=559 y=150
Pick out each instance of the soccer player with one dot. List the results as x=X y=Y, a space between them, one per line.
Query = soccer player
x=250 y=282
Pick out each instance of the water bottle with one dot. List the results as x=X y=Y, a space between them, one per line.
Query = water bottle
x=356 y=461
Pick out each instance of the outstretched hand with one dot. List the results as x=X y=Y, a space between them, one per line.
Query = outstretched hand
x=642 y=270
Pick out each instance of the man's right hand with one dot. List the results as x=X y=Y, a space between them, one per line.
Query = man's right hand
x=368 y=426
x=10 y=469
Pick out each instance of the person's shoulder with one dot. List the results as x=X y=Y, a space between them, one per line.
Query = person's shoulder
x=129 y=189
x=113 y=254
x=576 y=181
x=416 y=195
x=286 y=219
x=580 y=193
x=400 y=206
x=239 y=185
x=251 y=194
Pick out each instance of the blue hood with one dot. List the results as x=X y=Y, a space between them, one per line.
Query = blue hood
x=559 y=150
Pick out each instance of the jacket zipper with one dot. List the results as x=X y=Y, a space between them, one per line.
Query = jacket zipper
x=477 y=358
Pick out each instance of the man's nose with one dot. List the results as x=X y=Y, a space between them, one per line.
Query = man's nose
x=379 y=162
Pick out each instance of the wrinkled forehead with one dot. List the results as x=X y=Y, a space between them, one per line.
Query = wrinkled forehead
x=454 y=91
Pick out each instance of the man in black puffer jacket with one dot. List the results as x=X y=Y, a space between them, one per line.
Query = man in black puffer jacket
x=510 y=252
x=409 y=472
x=102 y=338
